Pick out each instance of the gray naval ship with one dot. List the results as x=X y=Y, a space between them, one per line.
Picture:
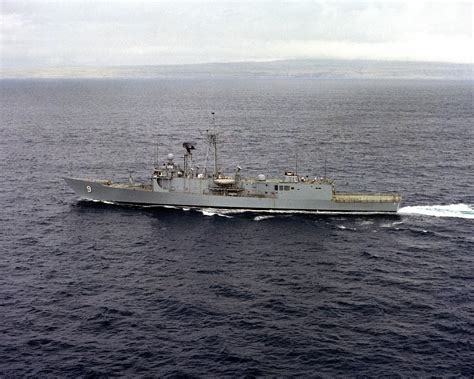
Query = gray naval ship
x=190 y=186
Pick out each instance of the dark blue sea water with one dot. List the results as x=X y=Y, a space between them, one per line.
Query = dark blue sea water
x=92 y=289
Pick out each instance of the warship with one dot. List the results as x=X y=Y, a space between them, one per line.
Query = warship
x=191 y=186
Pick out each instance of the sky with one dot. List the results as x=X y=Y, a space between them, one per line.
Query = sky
x=76 y=33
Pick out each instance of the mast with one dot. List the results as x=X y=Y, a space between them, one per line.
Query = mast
x=156 y=157
x=216 y=168
x=188 y=158
x=296 y=163
x=212 y=140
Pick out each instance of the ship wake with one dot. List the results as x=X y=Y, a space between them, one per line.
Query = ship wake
x=452 y=210
x=465 y=211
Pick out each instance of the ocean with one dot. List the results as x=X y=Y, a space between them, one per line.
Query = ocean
x=97 y=290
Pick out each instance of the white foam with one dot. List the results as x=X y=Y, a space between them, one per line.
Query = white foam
x=207 y=213
x=227 y=211
x=343 y=227
x=214 y=212
x=391 y=224
x=260 y=218
x=101 y=201
x=451 y=210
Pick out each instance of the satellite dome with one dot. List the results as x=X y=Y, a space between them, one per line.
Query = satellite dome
x=261 y=177
x=170 y=156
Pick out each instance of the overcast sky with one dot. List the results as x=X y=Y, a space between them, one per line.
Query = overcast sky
x=103 y=33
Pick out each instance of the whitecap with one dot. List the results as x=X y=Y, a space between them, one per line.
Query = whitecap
x=391 y=224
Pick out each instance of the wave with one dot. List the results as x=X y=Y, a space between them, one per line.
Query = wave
x=343 y=227
x=391 y=224
x=451 y=210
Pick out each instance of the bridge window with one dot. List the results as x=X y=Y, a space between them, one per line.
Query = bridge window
x=276 y=188
x=287 y=188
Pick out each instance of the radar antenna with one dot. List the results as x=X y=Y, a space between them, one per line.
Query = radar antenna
x=188 y=157
x=189 y=146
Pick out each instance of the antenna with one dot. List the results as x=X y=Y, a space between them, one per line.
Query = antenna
x=296 y=162
x=156 y=158
x=325 y=161
x=213 y=120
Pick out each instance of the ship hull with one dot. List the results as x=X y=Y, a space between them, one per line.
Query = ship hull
x=143 y=195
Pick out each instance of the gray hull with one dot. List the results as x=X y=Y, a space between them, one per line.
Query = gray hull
x=144 y=195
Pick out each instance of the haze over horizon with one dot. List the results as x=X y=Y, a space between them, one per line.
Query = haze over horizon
x=44 y=34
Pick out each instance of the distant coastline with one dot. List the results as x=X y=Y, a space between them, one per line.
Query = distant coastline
x=307 y=68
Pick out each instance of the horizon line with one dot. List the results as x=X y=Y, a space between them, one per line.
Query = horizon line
x=261 y=61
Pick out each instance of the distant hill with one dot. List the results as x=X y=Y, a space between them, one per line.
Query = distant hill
x=311 y=69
